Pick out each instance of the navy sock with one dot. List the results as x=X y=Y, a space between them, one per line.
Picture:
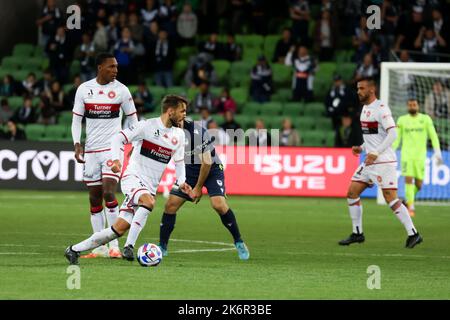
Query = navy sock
x=229 y=221
x=166 y=228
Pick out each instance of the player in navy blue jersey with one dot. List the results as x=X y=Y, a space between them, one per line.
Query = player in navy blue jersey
x=203 y=169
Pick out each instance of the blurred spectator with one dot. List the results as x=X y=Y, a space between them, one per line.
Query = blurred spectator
x=143 y=99
x=167 y=17
x=378 y=55
x=150 y=12
x=440 y=25
x=211 y=47
x=47 y=113
x=45 y=83
x=85 y=53
x=50 y=18
x=164 y=60
x=300 y=15
x=261 y=87
x=8 y=87
x=237 y=18
x=201 y=70
x=56 y=97
x=283 y=46
x=229 y=122
x=5 y=111
x=231 y=50
x=70 y=97
x=151 y=36
x=361 y=40
x=29 y=85
x=404 y=56
x=136 y=29
x=187 y=25
x=113 y=31
x=25 y=114
x=325 y=37
x=218 y=136
x=437 y=102
x=389 y=16
x=259 y=136
x=225 y=102
x=123 y=51
x=429 y=43
x=366 y=69
x=304 y=69
x=347 y=134
x=100 y=39
x=409 y=26
x=58 y=50
x=123 y=20
x=337 y=101
x=205 y=116
x=14 y=133
x=204 y=98
x=289 y=136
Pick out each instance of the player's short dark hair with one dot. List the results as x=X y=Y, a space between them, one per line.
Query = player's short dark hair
x=370 y=80
x=102 y=57
x=172 y=101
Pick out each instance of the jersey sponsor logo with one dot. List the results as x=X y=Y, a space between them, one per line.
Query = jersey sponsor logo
x=102 y=110
x=111 y=94
x=369 y=127
x=156 y=152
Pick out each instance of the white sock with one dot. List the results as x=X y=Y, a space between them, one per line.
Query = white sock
x=97 y=220
x=96 y=240
x=111 y=216
x=138 y=223
x=355 y=210
x=402 y=214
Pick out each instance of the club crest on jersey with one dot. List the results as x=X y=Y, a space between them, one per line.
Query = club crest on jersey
x=379 y=179
x=174 y=141
x=111 y=94
x=109 y=163
x=368 y=113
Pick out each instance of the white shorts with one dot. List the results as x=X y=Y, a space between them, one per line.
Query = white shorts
x=98 y=166
x=133 y=188
x=384 y=175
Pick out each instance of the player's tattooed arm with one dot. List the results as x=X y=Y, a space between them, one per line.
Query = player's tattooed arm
x=79 y=153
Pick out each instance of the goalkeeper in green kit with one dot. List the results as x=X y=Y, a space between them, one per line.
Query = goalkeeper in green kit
x=414 y=129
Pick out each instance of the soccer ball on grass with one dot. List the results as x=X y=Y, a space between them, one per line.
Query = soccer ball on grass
x=149 y=255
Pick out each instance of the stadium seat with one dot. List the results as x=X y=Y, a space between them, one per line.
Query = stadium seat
x=343 y=56
x=250 y=41
x=186 y=52
x=293 y=109
x=75 y=68
x=273 y=122
x=215 y=91
x=35 y=132
x=55 y=132
x=65 y=118
x=281 y=74
x=321 y=86
x=24 y=50
x=133 y=89
x=157 y=93
x=329 y=140
x=222 y=67
x=33 y=63
x=346 y=70
x=191 y=93
x=67 y=87
x=251 y=54
x=38 y=52
x=15 y=102
x=240 y=96
x=12 y=63
x=324 y=123
x=20 y=75
x=282 y=94
x=154 y=114
x=326 y=69
x=179 y=69
x=246 y=121
x=312 y=138
x=252 y=108
x=271 y=108
x=270 y=43
x=240 y=73
x=304 y=123
x=179 y=90
x=314 y=109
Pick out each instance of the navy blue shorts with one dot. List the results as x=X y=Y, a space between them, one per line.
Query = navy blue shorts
x=215 y=184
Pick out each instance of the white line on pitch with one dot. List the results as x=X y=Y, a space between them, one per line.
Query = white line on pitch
x=200 y=250
x=367 y=254
x=17 y=253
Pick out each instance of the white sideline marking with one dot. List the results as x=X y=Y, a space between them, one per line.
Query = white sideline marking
x=17 y=253
x=37 y=196
x=200 y=250
x=367 y=254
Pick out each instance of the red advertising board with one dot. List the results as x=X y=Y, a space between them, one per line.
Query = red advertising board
x=283 y=171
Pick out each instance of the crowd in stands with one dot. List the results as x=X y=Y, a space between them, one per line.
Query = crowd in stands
x=188 y=44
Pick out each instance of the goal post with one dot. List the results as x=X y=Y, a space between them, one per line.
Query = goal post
x=429 y=83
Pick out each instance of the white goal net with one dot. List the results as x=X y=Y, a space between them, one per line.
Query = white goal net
x=429 y=83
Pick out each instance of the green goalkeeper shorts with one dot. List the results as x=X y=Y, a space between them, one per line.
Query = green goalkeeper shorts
x=413 y=168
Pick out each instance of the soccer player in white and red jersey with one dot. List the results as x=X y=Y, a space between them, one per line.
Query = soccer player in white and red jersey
x=379 y=133
x=102 y=101
x=157 y=140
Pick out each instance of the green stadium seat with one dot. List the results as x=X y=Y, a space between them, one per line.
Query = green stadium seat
x=12 y=63
x=326 y=69
x=35 y=132
x=271 y=109
x=251 y=55
x=252 y=108
x=246 y=121
x=329 y=140
x=191 y=93
x=23 y=50
x=179 y=90
x=133 y=89
x=38 y=52
x=324 y=123
x=33 y=63
x=312 y=138
x=293 y=109
x=20 y=75
x=270 y=43
x=343 y=56
x=15 y=102
x=215 y=91
x=179 y=69
x=273 y=122
x=253 y=41
x=75 y=68
x=346 y=70
x=240 y=96
x=67 y=87
x=157 y=93
x=240 y=73
x=222 y=67
x=186 y=52
x=55 y=132
x=282 y=74
x=321 y=86
x=314 y=109
x=304 y=123
x=282 y=94
x=65 y=118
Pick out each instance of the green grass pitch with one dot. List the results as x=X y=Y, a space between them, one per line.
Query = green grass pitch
x=293 y=245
